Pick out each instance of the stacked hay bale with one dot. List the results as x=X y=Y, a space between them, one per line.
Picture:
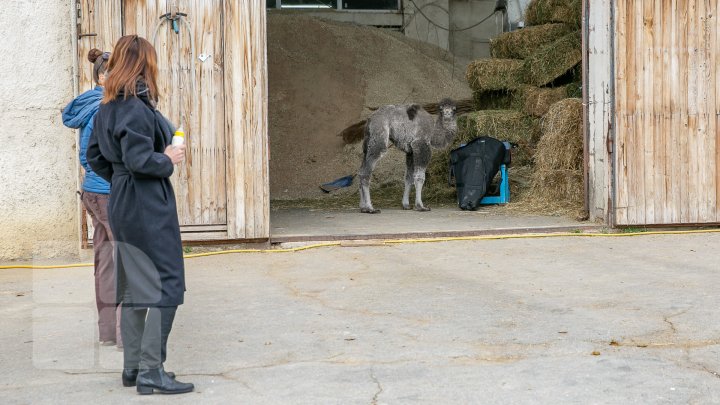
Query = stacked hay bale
x=556 y=185
x=521 y=95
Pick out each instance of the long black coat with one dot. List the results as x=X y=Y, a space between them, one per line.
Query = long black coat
x=126 y=149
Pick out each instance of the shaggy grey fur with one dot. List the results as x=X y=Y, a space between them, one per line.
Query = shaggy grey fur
x=412 y=130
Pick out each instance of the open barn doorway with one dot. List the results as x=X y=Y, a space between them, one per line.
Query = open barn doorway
x=332 y=62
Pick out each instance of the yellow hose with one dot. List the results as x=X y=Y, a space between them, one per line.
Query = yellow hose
x=397 y=242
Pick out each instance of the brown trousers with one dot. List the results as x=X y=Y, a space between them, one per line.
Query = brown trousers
x=105 y=280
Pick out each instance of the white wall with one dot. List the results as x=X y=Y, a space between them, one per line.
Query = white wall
x=38 y=180
x=516 y=10
x=418 y=27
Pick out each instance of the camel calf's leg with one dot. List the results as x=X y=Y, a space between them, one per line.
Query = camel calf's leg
x=421 y=160
x=409 y=179
x=368 y=165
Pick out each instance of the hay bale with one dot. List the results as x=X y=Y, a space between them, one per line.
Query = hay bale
x=505 y=125
x=522 y=43
x=495 y=74
x=495 y=100
x=536 y=101
x=561 y=144
x=575 y=89
x=554 y=11
x=554 y=60
x=557 y=180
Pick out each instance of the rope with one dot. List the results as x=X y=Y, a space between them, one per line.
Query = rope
x=400 y=242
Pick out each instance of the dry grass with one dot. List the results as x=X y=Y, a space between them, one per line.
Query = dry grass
x=523 y=43
x=554 y=60
x=561 y=145
x=556 y=185
x=536 y=101
x=554 y=11
x=495 y=74
x=495 y=100
x=505 y=125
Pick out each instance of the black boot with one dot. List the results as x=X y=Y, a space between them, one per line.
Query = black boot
x=149 y=381
x=129 y=376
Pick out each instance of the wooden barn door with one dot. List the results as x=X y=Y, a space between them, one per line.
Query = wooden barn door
x=99 y=25
x=222 y=189
x=667 y=100
x=194 y=44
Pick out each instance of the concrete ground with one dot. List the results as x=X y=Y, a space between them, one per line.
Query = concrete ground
x=551 y=321
x=314 y=224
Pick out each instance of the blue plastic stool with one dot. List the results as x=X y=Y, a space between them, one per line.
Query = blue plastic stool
x=504 y=196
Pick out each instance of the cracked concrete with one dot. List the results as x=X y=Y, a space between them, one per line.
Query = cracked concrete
x=379 y=386
x=462 y=322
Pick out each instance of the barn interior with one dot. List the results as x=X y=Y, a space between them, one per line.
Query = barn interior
x=514 y=67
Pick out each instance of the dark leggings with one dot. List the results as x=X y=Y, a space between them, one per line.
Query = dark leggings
x=145 y=334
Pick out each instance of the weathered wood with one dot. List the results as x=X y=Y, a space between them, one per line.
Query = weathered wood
x=197 y=103
x=637 y=191
x=667 y=96
x=716 y=108
x=702 y=79
x=621 y=120
x=598 y=89
x=100 y=17
x=658 y=131
x=204 y=228
x=246 y=119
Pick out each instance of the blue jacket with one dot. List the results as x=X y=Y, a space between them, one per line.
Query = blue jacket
x=80 y=113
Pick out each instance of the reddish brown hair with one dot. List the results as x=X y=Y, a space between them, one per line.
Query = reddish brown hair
x=133 y=58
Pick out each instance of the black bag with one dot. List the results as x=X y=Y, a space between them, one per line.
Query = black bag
x=474 y=167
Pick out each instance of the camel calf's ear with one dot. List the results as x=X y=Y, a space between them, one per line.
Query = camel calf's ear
x=412 y=111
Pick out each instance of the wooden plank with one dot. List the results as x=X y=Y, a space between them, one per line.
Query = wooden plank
x=636 y=177
x=659 y=196
x=692 y=110
x=204 y=236
x=203 y=228
x=625 y=186
x=682 y=79
x=649 y=82
x=716 y=107
x=674 y=110
x=246 y=110
x=666 y=116
x=262 y=186
x=706 y=137
x=700 y=79
x=234 y=114
x=622 y=89
x=712 y=133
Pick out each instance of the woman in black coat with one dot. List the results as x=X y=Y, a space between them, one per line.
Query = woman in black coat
x=130 y=148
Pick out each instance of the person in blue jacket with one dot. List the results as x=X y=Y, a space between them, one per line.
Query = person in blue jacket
x=80 y=114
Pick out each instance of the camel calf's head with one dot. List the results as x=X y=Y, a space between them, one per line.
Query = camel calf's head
x=448 y=108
